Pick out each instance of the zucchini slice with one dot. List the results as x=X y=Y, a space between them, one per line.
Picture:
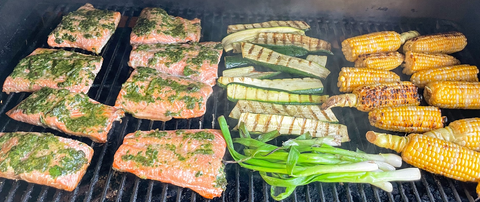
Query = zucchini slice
x=248 y=72
x=283 y=63
x=299 y=111
x=291 y=44
x=288 y=125
x=240 y=91
x=295 y=85
x=250 y=34
x=295 y=24
x=319 y=59
x=236 y=61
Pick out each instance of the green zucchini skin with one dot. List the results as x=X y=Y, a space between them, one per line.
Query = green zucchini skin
x=236 y=61
x=249 y=72
x=240 y=91
x=295 y=85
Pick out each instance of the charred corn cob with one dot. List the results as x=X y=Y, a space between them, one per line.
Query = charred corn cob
x=376 y=42
x=464 y=132
x=295 y=24
x=417 y=119
x=369 y=97
x=453 y=94
x=433 y=155
x=453 y=73
x=383 y=61
x=350 y=78
x=450 y=42
x=420 y=61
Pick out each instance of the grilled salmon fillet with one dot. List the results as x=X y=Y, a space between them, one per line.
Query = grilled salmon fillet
x=198 y=61
x=54 y=68
x=87 y=28
x=43 y=158
x=154 y=95
x=71 y=113
x=186 y=158
x=154 y=25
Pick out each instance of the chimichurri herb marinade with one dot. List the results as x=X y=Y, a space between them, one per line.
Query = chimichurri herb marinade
x=56 y=64
x=149 y=158
x=40 y=152
x=60 y=104
x=91 y=23
x=157 y=20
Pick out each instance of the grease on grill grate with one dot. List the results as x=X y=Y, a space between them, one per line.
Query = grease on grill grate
x=101 y=183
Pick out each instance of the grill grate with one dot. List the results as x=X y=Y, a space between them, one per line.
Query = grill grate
x=101 y=183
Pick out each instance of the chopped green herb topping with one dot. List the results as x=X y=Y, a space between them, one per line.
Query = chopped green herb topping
x=40 y=152
x=90 y=22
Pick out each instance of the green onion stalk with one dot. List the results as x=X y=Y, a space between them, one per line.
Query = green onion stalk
x=304 y=160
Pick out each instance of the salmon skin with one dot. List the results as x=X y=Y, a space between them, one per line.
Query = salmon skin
x=154 y=25
x=53 y=68
x=186 y=158
x=71 y=113
x=154 y=95
x=198 y=61
x=44 y=159
x=87 y=28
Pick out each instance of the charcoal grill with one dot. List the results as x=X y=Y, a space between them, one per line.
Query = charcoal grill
x=101 y=183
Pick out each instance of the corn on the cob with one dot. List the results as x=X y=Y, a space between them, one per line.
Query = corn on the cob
x=453 y=73
x=376 y=42
x=433 y=155
x=417 y=119
x=453 y=94
x=420 y=61
x=350 y=78
x=464 y=132
x=450 y=42
x=369 y=97
x=383 y=61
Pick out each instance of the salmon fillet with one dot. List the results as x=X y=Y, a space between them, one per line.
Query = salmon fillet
x=87 y=28
x=72 y=113
x=44 y=159
x=54 y=68
x=198 y=61
x=186 y=158
x=154 y=95
x=154 y=25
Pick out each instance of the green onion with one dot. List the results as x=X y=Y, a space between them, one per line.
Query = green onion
x=305 y=160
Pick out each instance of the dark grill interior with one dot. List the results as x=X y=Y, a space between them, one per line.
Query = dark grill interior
x=101 y=183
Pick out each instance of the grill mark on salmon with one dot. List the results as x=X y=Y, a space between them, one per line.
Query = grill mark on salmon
x=71 y=113
x=44 y=159
x=53 y=68
x=186 y=158
x=154 y=25
x=198 y=61
x=87 y=28
x=154 y=95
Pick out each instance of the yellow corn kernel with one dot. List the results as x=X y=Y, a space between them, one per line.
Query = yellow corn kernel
x=370 y=43
x=420 y=61
x=450 y=42
x=369 y=97
x=350 y=78
x=417 y=119
x=464 y=132
x=383 y=61
x=453 y=73
x=453 y=94
x=432 y=154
